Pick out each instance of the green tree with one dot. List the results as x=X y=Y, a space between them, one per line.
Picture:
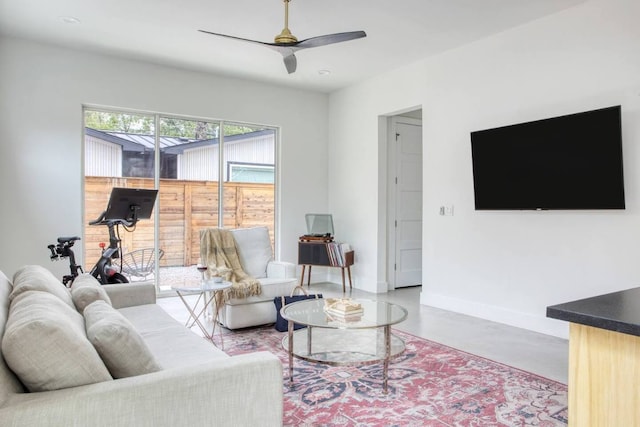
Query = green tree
x=169 y=126
x=119 y=122
x=230 y=130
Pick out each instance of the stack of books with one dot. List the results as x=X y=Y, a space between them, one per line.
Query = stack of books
x=343 y=308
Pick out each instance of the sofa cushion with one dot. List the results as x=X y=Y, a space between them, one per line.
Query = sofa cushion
x=38 y=278
x=172 y=344
x=121 y=347
x=254 y=250
x=9 y=383
x=85 y=290
x=46 y=346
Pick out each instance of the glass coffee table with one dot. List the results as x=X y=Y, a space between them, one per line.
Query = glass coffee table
x=332 y=340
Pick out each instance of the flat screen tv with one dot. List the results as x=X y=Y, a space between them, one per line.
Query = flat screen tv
x=567 y=162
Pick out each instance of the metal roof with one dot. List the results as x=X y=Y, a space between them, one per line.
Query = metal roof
x=168 y=144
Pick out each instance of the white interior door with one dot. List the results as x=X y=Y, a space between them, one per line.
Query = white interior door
x=408 y=209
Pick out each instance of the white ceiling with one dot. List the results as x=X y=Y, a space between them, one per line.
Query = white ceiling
x=165 y=31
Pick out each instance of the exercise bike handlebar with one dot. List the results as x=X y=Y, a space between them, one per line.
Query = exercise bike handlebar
x=102 y=221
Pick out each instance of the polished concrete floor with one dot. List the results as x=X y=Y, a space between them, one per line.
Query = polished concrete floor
x=530 y=351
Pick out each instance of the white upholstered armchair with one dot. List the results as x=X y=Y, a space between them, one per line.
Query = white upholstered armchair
x=276 y=279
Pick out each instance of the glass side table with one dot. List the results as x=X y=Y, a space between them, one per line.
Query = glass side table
x=209 y=294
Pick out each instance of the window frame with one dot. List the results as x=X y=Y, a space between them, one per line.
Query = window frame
x=157 y=117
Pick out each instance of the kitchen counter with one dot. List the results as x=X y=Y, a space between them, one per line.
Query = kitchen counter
x=604 y=358
x=617 y=311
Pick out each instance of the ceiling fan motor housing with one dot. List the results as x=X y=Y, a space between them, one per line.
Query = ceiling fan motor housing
x=286 y=37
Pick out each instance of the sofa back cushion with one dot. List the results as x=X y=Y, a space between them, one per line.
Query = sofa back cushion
x=38 y=278
x=9 y=383
x=46 y=346
x=120 y=346
x=85 y=290
x=254 y=249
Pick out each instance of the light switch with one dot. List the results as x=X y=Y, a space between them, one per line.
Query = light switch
x=446 y=210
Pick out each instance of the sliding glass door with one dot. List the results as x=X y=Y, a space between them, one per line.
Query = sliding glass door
x=208 y=173
x=119 y=151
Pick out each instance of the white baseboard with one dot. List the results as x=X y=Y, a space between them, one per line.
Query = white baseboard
x=333 y=275
x=536 y=323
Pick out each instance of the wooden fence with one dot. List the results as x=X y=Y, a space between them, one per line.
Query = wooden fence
x=186 y=207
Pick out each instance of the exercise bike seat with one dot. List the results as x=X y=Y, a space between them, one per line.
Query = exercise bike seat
x=67 y=239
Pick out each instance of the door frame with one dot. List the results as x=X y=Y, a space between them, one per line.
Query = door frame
x=392 y=198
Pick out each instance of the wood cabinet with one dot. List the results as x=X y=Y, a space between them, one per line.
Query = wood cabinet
x=604 y=358
x=320 y=254
x=604 y=377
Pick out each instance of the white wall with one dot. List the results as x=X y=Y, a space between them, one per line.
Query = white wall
x=504 y=266
x=42 y=90
x=354 y=178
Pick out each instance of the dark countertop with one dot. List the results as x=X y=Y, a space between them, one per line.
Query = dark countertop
x=617 y=311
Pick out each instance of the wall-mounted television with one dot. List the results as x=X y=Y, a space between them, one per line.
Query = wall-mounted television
x=566 y=162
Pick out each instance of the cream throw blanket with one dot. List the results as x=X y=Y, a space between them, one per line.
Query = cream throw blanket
x=218 y=252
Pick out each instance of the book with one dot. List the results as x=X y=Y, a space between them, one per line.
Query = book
x=339 y=321
x=342 y=307
x=343 y=315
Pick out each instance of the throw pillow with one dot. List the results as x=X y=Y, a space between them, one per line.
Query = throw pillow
x=38 y=278
x=85 y=290
x=121 y=347
x=45 y=345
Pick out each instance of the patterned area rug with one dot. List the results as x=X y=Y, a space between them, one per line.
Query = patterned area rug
x=430 y=384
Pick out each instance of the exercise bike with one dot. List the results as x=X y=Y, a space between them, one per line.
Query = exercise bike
x=103 y=270
x=126 y=206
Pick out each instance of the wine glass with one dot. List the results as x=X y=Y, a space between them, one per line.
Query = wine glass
x=201 y=268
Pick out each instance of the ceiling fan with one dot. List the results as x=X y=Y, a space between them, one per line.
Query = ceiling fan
x=287 y=44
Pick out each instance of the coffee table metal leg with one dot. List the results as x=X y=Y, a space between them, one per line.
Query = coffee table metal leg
x=387 y=356
x=290 y=352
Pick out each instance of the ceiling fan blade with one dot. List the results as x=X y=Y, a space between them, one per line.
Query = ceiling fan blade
x=291 y=63
x=330 y=39
x=236 y=38
x=287 y=51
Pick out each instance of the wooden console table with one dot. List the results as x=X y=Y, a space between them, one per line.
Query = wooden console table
x=317 y=253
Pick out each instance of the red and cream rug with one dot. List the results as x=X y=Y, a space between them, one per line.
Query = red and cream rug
x=430 y=384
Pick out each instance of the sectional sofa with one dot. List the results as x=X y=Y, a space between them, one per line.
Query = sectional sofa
x=109 y=356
